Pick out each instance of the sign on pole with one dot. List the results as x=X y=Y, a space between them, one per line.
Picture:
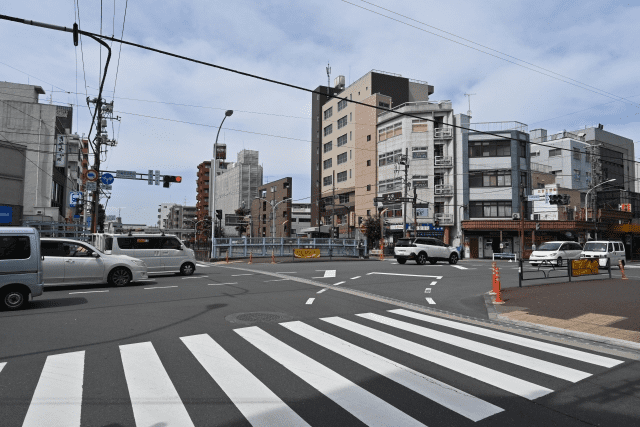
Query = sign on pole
x=150 y=177
x=230 y=220
x=92 y=175
x=75 y=198
x=61 y=151
x=107 y=187
x=106 y=178
x=126 y=174
x=534 y=198
x=91 y=186
x=157 y=178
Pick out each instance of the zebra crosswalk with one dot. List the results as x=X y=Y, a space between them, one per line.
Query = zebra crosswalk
x=430 y=358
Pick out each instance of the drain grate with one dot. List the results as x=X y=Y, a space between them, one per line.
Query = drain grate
x=258 y=317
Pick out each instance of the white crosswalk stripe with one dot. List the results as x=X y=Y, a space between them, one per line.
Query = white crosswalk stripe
x=154 y=399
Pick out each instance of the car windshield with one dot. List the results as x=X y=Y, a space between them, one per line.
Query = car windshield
x=595 y=247
x=549 y=247
x=404 y=242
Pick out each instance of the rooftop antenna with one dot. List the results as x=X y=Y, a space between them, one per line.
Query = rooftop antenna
x=468 y=95
x=328 y=77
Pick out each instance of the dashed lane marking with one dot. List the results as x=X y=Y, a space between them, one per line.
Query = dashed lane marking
x=202 y=265
x=339 y=283
x=161 y=287
x=243 y=274
x=195 y=277
x=276 y=280
x=433 y=283
x=310 y=301
x=412 y=275
x=85 y=292
x=430 y=300
x=357 y=277
x=222 y=284
x=321 y=291
x=427 y=291
x=329 y=273
x=459 y=267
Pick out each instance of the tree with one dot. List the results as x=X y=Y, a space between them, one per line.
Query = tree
x=372 y=230
x=242 y=211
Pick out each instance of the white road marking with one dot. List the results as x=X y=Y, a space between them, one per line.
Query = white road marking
x=285 y=272
x=310 y=301
x=2 y=365
x=456 y=400
x=460 y=267
x=258 y=404
x=339 y=283
x=548 y=368
x=433 y=283
x=154 y=399
x=321 y=291
x=427 y=291
x=195 y=277
x=525 y=342
x=85 y=292
x=329 y=273
x=430 y=300
x=357 y=277
x=161 y=287
x=243 y=274
x=412 y=275
x=202 y=265
x=276 y=280
x=368 y=408
x=222 y=284
x=57 y=400
x=495 y=378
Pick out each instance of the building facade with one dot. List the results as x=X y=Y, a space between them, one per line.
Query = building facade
x=202 y=192
x=300 y=218
x=265 y=221
x=163 y=214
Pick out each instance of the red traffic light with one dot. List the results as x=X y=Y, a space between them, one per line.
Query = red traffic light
x=178 y=179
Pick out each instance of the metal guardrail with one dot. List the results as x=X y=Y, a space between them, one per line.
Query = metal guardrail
x=242 y=247
x=61 y=229
x=553 y=268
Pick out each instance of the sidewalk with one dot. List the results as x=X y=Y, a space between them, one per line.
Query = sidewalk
x=606 y=309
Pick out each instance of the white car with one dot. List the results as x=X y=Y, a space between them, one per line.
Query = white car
x=606 y=251
x=71 y=262
x=423 y=249
x=556 y=253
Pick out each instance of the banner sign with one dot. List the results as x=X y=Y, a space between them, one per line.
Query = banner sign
x=584 y=267
x=61 y=151
x=306 y=253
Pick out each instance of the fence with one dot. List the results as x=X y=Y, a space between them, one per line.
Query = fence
x=61 y=229
x=242 y=247
x=564 y=271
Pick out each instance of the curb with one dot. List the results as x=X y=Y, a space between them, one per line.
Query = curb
x=494 y=315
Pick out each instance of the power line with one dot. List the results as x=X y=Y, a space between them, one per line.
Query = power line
x=84 y=74
x=580 y=85
x=120 y=51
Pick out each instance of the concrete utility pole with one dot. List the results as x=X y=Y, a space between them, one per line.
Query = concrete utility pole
x=227 y=113
x=404 y=160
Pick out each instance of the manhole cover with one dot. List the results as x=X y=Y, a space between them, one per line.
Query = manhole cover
x=258 y=317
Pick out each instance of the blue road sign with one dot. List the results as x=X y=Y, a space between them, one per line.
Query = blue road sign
x=88 y=220
x=106 y=178
x=76 y=217
x=75 y=198
x=6 y=214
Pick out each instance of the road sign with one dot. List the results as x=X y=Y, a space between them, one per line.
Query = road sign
x=92 y=175
x=92 y=186
x=75 y=198
x=76 y=217
x=363 y=228
x=107 y=187
x=150 y=177
x=110 y=217
x=126 y=174
x=230 y=220
x=157 y=178
x=106 y=178
x=6 y=214
x=534 y=198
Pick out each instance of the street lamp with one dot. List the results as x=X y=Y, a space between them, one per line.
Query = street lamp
x=273 y=216
x=215 y=161
x=258 y=198
x=586 y=210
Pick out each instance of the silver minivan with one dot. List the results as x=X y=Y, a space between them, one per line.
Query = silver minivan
x=21 y=274
x=608 y=252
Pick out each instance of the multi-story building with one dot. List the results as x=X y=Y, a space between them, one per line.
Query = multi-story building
x=236 y=185
x=39 y=159
x=344 y=151
x=182 y=218
x=163 y=214
x=300 y=218
x=202 y=189
x=495 y=167
x=271 y=210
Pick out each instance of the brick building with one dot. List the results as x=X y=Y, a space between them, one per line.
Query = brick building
x=274 y=193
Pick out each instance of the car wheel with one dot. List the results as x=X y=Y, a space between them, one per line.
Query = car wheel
x=453 y=259
x=12 y=299
x=119 y=276
x=559 y=261
x=187 y=269
x=401 y=260
x=421 y=259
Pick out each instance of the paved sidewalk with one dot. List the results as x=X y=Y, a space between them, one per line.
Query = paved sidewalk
x=606 y=308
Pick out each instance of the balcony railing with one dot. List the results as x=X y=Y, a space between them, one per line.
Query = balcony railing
x=443 y=189
x=443 y=161
x=444 y=218
x=538 y=167
x=440 y=133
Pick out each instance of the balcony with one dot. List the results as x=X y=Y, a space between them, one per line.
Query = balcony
x=440 y=133
x=443 y=161
x=443 y=190
x=444 y=218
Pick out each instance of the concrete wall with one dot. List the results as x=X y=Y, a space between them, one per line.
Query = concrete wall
x=565 y=163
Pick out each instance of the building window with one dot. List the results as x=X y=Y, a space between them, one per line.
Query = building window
x=418 y=125
x=349 y=173
x=576 y=154
x=344 y=198
x=342 y=104
x=342 y=158
x=350 y=135
x=327 y=180
x=389 y=158
x=368 y=212
x=263 y=193
x=490 y=179
x=342 y=176
x=368 y=187
x=523 y=180
x=383 y=104
x=350 y=154
x=342 y=122
x=389 y=131
x=368 y=162
x=327 y=147
x=350 y=117
x=342 y=140
x=368 y=137
x=328 y=130
x=327 y=163
x=489 y=209
x=576 y=174
x=587 y=156
x=535 y=154
x=389 y=185
x=419 y=152
x=523 y=149
x=555 y=152
x=489 y=148
x=328 y=113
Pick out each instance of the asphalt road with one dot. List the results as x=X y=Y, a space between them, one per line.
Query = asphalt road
x=266 y=344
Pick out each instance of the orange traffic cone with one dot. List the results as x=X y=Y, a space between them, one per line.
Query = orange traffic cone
x=250 y=257
x=498 y=299
x=493 y=278
x=273 y=257
x=381 y=251
x=621 y=265
x=227 y=258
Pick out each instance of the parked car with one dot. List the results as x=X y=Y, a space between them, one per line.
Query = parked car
x=162 y=254
x=423 y=249
x=555 y=253
x=71 y=262
x=21 y=274
x=606 y=251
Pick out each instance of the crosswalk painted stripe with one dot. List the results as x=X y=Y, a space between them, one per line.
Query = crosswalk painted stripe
x=528 y=362
x=430 y=300
x=525 y=342
x=154 y=399
x=57 y=400
x=459 y=267
x=2 y=365
x=329 y=273
x=258 y=404
x=464 y=404
x=365 y=406
x=498 y=379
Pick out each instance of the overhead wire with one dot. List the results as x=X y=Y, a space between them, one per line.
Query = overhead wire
x=120 y=50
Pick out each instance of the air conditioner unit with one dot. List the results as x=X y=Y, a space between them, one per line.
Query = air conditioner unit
x=515 y=216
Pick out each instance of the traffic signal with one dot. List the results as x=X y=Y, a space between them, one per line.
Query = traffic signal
x=219 y=214
x=566 y=199
x=168 y=179
x=79 y=208
x=336 y=233
x=555 y=199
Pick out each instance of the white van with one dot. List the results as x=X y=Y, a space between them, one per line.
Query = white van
x=606 y=251
x=161 y=253
x=21 y=273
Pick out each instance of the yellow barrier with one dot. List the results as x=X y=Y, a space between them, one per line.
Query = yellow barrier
x=584 y=267
x=306 y=253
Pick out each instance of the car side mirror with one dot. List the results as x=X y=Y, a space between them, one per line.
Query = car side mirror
x=95 y=254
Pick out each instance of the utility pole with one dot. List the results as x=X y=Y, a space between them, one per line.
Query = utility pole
x=404 y=160
x=96 y=166
x=468 y=95
x=333 y=203
x=415 y=212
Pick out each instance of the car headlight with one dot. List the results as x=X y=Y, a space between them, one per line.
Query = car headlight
x=138 y=262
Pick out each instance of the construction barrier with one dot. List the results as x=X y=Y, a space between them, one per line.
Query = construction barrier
x=621 y=265
x=498 y=299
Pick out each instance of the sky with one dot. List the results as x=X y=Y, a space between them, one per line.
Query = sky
x=548 y=64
